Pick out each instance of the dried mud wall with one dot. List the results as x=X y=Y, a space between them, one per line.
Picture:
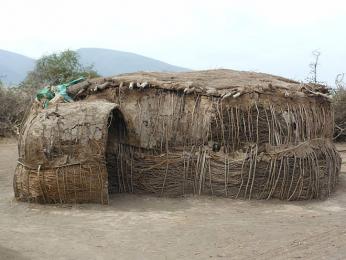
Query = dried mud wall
x=62 y=154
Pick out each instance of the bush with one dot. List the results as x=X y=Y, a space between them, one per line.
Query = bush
x=14 y=104
x=339 y=100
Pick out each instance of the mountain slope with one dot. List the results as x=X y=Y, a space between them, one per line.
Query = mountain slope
x=14 y=67
x=111 y=62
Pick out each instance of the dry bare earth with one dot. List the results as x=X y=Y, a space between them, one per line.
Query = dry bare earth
x=144 y=227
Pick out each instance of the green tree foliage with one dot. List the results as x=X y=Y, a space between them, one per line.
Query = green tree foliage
x=55 y=69
x=52 y=69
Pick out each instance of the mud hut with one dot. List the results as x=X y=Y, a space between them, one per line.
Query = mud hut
x=218 y=132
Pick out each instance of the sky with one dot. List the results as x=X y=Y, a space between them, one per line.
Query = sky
x=270 y=36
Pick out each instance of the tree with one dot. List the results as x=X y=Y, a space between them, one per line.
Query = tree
x=55 y=69
x=51 y=69
x=313 y=67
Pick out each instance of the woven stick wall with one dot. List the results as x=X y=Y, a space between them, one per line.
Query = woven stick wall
x=254 y=149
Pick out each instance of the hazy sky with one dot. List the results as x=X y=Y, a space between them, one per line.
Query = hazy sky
x=266 y=36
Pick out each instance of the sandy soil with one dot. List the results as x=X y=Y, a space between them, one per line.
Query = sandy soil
x=144 y=227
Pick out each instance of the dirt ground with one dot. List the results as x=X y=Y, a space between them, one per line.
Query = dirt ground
x=144 y=227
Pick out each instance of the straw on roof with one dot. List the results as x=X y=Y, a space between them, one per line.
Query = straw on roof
x=212 y=83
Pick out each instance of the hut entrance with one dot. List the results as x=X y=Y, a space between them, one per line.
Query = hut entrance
x=117 y=137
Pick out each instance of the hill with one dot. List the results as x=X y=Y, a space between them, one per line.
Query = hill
x=111 y=62
x=14 y=66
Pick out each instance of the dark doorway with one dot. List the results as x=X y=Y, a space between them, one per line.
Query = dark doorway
x=117 y=138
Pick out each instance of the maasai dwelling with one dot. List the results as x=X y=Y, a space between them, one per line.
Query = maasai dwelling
x=218 y=132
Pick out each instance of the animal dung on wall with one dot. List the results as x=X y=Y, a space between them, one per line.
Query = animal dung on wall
x=219 y=132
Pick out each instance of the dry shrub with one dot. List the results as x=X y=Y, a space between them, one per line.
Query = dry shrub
x=14 y=104
x=339 y=100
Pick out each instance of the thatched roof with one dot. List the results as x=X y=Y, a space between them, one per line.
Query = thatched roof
x=218 y=79
x=220 y=82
